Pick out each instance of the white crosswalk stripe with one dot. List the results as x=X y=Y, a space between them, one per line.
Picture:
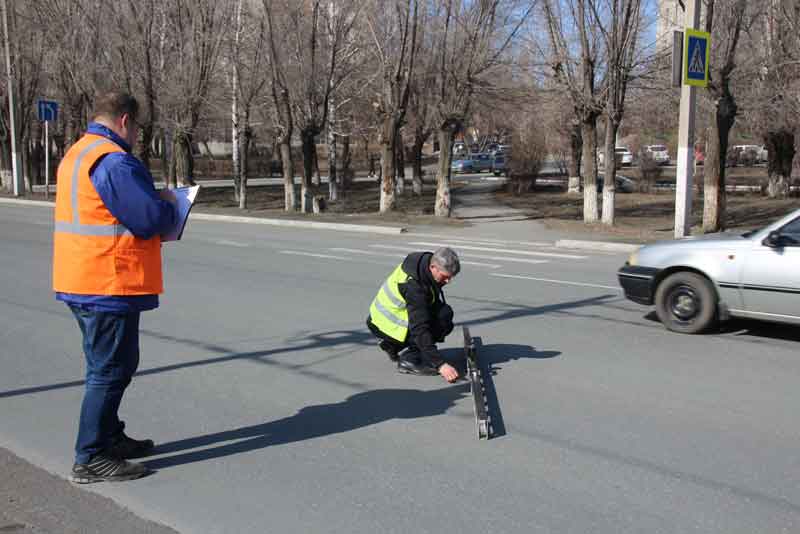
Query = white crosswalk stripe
x=501 y=250
x=550 y=280
x=472 y=255
x=400 y=255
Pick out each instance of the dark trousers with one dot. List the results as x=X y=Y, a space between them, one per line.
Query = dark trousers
x=111 y=347
x=441 y=326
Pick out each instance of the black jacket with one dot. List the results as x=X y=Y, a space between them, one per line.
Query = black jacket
x=422 y=313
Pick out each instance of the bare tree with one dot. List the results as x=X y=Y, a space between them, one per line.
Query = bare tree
x=726 y=19
x=196 y=32
x=577 y=71
x=306 y=71
x=249 y=74
x=394 y=29
x=620 y=27
x=27 y=60
x=778 y=91
x=472 y=40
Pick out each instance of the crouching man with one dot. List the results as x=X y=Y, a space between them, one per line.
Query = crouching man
x=409 y=312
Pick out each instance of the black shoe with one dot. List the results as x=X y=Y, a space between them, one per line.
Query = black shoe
x=390 y=349
x=414 y=368
x=126 y=447
x=104 y=468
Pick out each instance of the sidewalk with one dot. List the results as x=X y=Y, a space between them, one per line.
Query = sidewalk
x=476 y=211
x=33 y=500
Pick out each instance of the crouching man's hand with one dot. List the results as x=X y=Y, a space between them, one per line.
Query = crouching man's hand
x=448 y=372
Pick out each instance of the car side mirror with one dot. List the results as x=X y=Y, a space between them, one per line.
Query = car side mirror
x=773 y=240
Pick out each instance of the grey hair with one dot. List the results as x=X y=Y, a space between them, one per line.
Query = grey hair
x=447 y=260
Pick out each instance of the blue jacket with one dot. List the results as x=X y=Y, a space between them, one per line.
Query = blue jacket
x=127 y=190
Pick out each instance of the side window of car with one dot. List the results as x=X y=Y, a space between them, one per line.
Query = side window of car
x=792 y=231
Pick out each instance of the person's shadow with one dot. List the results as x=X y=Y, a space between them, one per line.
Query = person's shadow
x=359 y=410
x=489 y=358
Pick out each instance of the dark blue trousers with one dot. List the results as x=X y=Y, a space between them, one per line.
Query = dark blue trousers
x=111 y=347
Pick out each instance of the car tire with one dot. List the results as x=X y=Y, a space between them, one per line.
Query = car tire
x=686 y=302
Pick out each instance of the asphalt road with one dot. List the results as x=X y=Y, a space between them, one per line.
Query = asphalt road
x=274 y=411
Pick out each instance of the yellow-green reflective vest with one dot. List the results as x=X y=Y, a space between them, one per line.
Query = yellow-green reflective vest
x=388 y=310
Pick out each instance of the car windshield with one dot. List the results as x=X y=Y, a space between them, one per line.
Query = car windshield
x=658 y=148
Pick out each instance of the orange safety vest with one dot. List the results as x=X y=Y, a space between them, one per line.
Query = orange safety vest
x=93 y=253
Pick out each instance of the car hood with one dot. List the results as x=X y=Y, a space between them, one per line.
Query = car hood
x=719 y=240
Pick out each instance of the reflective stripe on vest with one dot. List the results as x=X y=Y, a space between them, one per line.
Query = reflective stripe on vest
x=389 y=311
x=93 y=253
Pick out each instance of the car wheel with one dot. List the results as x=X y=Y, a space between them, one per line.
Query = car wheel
x=686 y=303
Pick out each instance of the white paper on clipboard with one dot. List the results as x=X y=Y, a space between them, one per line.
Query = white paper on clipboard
x=184 y=200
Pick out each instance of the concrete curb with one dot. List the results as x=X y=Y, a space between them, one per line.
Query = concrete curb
x=596 y=245
x=363 y=228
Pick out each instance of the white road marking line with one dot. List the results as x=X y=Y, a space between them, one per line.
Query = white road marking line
x=400 y=255
x=565 y=282
x=471 y=255
x=315 y=255
x=231 y=243
x=487 y=240
x=503 y=250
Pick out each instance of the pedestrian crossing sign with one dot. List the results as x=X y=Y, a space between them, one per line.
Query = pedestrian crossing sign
x=696 y=49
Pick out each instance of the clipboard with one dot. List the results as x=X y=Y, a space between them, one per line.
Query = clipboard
x=184 y=200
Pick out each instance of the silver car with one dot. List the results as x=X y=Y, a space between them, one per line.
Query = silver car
x=697 y=281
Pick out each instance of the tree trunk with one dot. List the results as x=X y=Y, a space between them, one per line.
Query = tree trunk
x=183 y=159
x=235 y=136
x=387 y=141
x=347 y=172
x=306 y=185
x=781 y=152
x=289 y=197
x=246 y=141
x=416 y=181
x=443 y=205
x=333 y=176
x=168 y=159
x=589 y=164
x=400 y=166
x=574 y=164
x=610 y=173
x=714 y=195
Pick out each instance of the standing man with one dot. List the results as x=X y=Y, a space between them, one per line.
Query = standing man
x=107 y=269
x=409 y=311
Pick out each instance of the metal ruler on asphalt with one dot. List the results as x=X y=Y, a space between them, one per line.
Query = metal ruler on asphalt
x=477 y=387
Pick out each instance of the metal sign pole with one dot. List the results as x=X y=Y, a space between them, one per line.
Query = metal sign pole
x=684 y=177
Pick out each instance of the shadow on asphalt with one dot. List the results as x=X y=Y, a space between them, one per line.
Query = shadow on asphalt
x=494 y=311
x=749 y=329
x=357 y=411
x=489 y=358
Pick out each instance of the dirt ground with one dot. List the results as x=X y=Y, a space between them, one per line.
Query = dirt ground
x=642 y=217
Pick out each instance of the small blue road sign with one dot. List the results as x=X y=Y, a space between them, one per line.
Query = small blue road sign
x=48 y=110
x=696 y=51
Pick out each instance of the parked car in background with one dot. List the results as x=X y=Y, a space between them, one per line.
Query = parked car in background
x=462 y=165
x=696 y=281
x=622 y=154
x=622 y=184
x=658 y=153
x=500 y=163
x=746 y=155
x=763 y=155
x=482 y=162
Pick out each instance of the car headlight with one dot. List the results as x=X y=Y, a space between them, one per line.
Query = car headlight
x=633 y=259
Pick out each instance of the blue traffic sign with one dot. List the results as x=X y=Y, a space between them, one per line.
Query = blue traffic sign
x=695 y=58
x=48 y=110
